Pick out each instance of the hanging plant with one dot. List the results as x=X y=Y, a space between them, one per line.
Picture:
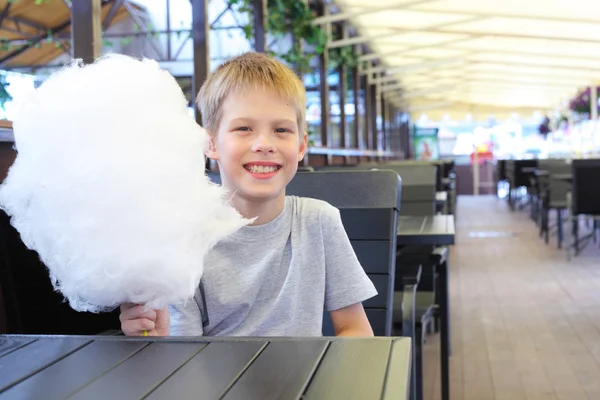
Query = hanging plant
x=285 y=17
x=344 y=55
x=581 y=103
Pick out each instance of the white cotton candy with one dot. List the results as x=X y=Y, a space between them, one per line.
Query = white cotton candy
x=109 y=186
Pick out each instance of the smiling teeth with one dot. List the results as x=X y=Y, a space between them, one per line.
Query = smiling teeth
x=260 y=169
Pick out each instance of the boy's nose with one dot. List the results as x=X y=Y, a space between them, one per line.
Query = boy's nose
x=263 y=143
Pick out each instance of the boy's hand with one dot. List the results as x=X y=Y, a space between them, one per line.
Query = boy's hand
x=135 y=320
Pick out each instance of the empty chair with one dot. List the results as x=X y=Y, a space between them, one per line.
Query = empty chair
x=553 y=195
x=584 y=199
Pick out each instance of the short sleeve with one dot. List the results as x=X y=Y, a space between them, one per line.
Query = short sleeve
x=346 y=281
x=186 y=318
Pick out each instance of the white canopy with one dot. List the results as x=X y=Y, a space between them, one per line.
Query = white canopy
x=481 y=56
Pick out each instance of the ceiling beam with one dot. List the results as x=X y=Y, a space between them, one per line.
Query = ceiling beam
x=432 y=106
x=470 y=61
x=348 y=15
x=562 y=56
x=411 y=7
x=516 y=36
x=375 y=56
x=399 y=31
x=528 y=17
x=415 y=66
x=510 y=81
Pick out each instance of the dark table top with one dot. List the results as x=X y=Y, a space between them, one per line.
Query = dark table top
x=563 y=177
x=118 y=367
x=528 y=170
x=435 y=230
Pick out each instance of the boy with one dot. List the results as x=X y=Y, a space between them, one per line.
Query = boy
x=275 y=277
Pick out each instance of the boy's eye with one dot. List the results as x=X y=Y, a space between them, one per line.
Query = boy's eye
x=282 y=130
x=243 y=128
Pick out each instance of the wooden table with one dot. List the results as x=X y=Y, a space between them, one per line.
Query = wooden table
x=434 y=230
x=119 y=367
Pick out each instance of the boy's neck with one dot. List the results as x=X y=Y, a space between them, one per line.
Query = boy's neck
x=265 y=211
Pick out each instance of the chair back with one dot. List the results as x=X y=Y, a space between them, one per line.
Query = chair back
x=369 y=202
x=585 y=190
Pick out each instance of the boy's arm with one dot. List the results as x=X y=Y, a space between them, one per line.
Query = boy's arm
x=351 y=321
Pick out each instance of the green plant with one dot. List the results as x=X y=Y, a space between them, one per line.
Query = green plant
x=5 y=97
x=294 y=17
x=344 y=55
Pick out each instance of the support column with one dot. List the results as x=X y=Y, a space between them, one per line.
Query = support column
x=384 y=127
x=324 y=91
x=343 y=91
x=200 y=43
x=368 y=111
x=201 y=52
x=594 y=109
x=260 y=31
x=86 y=29
x=374 y=114
x=356 y=140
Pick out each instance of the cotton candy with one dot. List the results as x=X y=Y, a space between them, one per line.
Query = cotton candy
x=109 y=186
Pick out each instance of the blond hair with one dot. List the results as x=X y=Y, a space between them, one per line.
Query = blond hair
x=248 y=71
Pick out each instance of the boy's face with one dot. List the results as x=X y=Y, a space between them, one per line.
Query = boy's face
x=258 y=144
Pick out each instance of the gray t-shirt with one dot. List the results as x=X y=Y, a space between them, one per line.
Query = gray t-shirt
x=278 y=278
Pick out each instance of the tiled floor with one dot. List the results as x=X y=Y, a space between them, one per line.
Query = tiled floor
x=525 y=322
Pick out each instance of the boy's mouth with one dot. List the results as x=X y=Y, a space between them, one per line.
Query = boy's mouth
x=262 y=167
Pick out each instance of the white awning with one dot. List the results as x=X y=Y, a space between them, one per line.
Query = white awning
x=482 y=56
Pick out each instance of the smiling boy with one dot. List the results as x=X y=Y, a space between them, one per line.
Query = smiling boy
x=277 y=276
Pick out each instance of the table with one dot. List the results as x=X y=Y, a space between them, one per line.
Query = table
x=563 y=177
x=529 y=170
x=434 y=230
x=119 y=367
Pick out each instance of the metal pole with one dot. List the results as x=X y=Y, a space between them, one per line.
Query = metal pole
x=260 y=31
x=86 y=29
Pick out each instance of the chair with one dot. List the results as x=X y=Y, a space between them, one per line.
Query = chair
x=584 y=199
x=553 y=196
x=374 y=196
x=31 y=304
x=519 y=178
x=362 y=196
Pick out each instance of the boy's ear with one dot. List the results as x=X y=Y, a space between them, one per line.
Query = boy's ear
x=303 y=146
x=211 y=151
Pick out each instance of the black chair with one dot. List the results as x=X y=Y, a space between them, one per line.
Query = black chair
x=31 y=304
x=368 y=202
x=552 y=196
x=519 y=174
x=584 y=200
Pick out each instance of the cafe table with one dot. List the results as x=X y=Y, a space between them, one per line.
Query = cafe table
x=116 y=367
